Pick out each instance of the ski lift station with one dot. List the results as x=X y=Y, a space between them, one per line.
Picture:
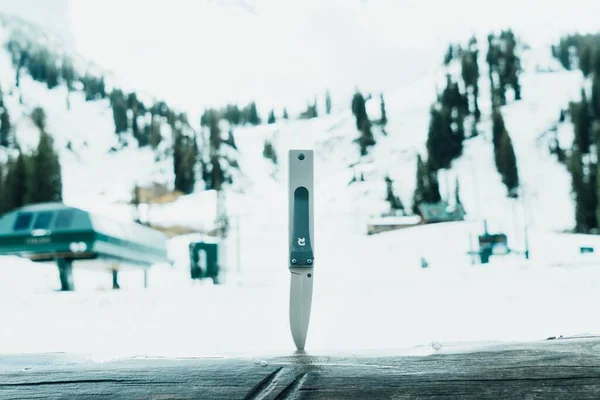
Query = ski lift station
x=53 y=232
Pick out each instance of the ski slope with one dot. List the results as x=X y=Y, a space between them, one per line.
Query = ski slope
x=370 y=291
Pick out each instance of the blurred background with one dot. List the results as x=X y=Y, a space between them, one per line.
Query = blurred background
x=143 y=172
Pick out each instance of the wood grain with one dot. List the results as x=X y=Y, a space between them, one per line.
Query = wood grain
x=558 y=369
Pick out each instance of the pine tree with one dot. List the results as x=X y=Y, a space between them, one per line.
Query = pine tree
x=504 y=154
x=22 y=61
x=457 y=200
x=366 y=139
x=359 y=110
x=597 y=192
x=498 y=126
x=596 y=60
x=563 y=54
x=285 y=114
x=186 y=177
x=119 y=106
x=562 y=116
x=214 y=132
x=363 y=124
x=46 y=178
x=269 y=151
x=231 y=140
x=69 y=76
x=68 y=73
x=178 y=150
x=52 y=75
x=185 y=154
x=448 y=55
x=219 y=158
x=492 y=56
x=440 y=139
x=472 y=43
x=38 y=116
x=94 y=88
x=596 y=98
x=474 y=131
x=327 y=102
x=135 y=202
x=468 y=71
x=271 y=118
x=504 y=67
x=253 y=117
x=310 y=112
x=155 y=132
x=585 y=60
x=420 y=187
x=204 y=118
x=217 y=176
x=101 y=88
x=427 y=189
x=132 y=101
x=498 y=129
x=453 y=99
x=582 y=123
x=233 y=114
x=383 y=120
x=454 y=108
x=470 y=75
x=577 y=185
x=5 y=127
x=512 y=65
x=592 y=198
x=432 y=194
x=508 y=163
x=136 y=131
x=458 y=135
x=16 y=183
x=395 y=202
x=2 y=190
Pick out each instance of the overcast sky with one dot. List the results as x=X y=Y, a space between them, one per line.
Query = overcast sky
x=283 y=52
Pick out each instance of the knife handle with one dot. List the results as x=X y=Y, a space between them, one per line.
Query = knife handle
x=301 y=208
x=301 y=253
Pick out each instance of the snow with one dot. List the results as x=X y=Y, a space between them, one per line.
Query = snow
x=405 y=220
x=450 y=301
x=370 y=291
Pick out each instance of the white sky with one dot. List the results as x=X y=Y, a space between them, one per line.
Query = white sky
x=283 y=52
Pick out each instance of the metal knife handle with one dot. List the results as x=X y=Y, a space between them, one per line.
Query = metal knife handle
x=301 y=241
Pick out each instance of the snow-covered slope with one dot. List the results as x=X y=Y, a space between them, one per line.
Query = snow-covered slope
x=366 y=286
x=101 y=181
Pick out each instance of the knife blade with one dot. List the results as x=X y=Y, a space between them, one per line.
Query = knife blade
x=301 y=288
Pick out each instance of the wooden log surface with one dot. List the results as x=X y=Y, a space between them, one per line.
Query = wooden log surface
x=554 y=369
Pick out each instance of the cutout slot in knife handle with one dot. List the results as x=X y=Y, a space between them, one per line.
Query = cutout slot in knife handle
x=302 y=253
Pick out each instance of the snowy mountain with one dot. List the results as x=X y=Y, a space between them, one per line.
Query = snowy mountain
x=89 y=167
x=377 y=277
x=291 y=52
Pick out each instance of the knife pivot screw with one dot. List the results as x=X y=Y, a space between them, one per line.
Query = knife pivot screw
x=309 y=275
x=301 y=156
x=309 y=261
x=294 y=261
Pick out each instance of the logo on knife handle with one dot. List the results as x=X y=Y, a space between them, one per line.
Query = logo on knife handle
x=302 y=241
